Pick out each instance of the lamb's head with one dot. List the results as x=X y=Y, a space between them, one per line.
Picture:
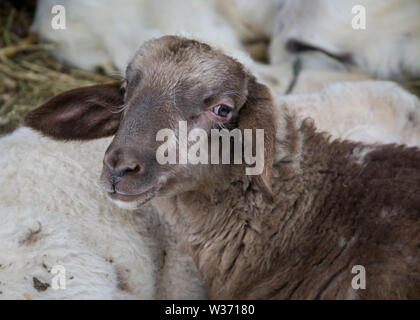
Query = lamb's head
x=176 y=90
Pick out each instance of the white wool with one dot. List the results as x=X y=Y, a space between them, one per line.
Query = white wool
x=387 y=48
x=108 y=32
x=252 y=20
x=54 y=213
x=312 y=80
x=366 y=111
x=53 y=186
x=313 y=75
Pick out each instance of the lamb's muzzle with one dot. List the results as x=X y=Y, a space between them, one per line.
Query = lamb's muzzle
x=296 y=230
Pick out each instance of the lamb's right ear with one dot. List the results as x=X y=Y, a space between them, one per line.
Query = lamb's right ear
x=79 y=114
x=258 y=113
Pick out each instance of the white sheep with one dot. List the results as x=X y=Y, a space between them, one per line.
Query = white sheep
x=54 y=215
x=96 y=35
x=367 y=111
x=106 y=33
x=387 y=47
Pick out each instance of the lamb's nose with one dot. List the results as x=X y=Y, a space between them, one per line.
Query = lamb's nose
x=121 y=171
x=121 y=168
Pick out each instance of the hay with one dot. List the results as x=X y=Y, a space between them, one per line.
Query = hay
x=28 y=74
x=413 y=87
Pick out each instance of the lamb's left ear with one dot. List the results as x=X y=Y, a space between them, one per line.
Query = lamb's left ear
x=258 y=113
x=79 y=114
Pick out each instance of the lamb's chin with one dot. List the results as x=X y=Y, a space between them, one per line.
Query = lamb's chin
x=131 y=205
x=126 y=205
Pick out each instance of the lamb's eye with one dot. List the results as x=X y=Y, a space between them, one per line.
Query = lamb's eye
x=222 y=110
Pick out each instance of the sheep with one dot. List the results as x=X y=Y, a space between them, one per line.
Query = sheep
x=294 y=230
x=365 y=111
x=97 y=37
x=386 y=48
x=53 y=217
x=357 y=107
x=97 y=30
x=107 y=32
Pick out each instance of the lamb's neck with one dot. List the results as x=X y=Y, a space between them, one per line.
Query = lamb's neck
x=229 y=228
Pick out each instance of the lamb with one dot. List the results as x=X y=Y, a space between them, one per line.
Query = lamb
x=53 y=217
x=386 y=48
x=295 y=231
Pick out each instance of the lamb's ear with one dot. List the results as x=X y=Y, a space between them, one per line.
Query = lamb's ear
x=258 y=113
x=79 y=114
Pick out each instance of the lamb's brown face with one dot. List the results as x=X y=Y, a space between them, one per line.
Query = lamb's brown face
x=169 y=80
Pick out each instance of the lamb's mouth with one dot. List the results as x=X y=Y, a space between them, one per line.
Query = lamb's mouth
x=140 y=197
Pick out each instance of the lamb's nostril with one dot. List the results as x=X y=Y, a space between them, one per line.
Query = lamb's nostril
x=127 y=168
x=135 y=169
x=117 y=174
